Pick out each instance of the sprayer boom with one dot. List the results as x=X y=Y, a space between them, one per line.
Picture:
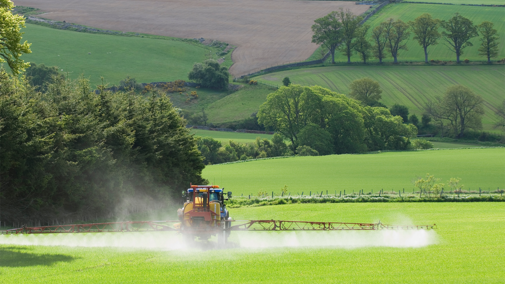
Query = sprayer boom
x=241 y=225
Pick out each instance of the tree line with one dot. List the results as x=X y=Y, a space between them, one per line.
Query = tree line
x=341 y=30
x=70 y=151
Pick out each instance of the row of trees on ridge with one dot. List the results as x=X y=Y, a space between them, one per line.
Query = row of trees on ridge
x=342 y=30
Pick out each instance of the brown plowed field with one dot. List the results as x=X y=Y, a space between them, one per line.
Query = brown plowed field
x=266 y=32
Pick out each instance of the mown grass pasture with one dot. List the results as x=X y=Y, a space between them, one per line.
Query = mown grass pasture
x=408 y=12
x=225 y=136
x=113 y=57
x=411 y=86
x=469 y=241
x=482 y=168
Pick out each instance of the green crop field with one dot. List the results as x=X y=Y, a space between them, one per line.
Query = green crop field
x=113 y=57
x=408 y=12
x=389 y=170
x=225 y=136
x=466 y=248
x=407 y=85
x=478 y=2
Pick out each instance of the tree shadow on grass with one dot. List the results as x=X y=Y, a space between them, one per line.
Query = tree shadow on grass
x=21 y=257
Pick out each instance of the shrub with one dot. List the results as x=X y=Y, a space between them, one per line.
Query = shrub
x=421 y=144
x=467 y=61
x=306 y=151
x=210 y=74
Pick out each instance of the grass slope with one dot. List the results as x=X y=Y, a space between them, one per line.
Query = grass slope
x=408 y=12
x=391 y=170
x=407 y=85
x=225 y=136
x=113 y=57
x=470 y=241
x=238 y=105
x=223 y=106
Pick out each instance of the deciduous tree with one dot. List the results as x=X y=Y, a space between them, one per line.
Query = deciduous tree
x=286 y=82
x=362 y=46
x=365 y=90
x=458 y=32
x=500 y=112
x=380 y=40
x=328 y=32
x=350 y=27
x=11 y=47
x=489 y=40
x=425 y=30
x=401 y=111
x=397 y=34
x=461 y=107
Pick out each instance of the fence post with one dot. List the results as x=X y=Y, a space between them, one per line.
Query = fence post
x=310 y=193
x=404 y=190
x=249 y=196
x=480 y=191
x=340 y=193
x=344 y=192
x=400 y=193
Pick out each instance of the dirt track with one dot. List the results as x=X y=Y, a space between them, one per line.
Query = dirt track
x=266 y=32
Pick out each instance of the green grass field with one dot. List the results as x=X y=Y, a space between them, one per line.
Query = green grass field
x=224 y=106
x=468 y=250
x=113 y=57
x=390 y=170
x=447 y=145
x=408 y=12
x=239 y=105
x=406 y=85
x=225 y=137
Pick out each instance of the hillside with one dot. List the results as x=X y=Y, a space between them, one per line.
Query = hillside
x=408 y=12
x=113 y=57
x=407 y=85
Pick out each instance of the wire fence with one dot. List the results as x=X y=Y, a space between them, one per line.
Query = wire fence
x=345 y=193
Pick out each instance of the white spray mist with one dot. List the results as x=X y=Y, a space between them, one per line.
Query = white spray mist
x=246 y=240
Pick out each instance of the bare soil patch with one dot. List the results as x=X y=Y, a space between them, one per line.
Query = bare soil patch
x=265 y=32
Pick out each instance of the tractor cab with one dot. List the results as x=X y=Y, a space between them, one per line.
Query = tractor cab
x=204 y=211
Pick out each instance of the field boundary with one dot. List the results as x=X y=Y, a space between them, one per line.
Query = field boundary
x=32 y=19
x=255 y=201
